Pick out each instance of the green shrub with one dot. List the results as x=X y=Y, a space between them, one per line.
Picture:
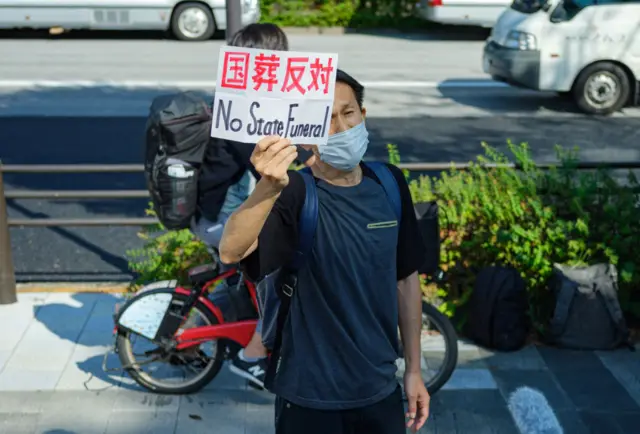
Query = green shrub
x=165 y=255
x=530 y=219
x=341 y=13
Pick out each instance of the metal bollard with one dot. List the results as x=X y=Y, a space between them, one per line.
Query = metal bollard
x=234 y=18
x=7 y=274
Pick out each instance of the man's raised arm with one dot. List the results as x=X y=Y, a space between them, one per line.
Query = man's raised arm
x=271 y=158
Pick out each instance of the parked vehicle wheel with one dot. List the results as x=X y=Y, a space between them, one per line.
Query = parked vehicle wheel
x=193 y=22
x=602 y=88
x=147 y=365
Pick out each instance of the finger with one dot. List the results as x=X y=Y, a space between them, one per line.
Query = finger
x=276 y=147
x=411 y=410
x=278 y=166
x=283 y=165
x=265 y=142
x=423 y=411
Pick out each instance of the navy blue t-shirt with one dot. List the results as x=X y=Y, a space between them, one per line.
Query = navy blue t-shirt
x=340 y=342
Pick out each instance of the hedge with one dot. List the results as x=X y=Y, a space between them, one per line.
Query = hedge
x=529 y=219
x=341 y=13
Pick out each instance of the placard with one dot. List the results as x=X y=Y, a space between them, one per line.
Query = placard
x=264 y=92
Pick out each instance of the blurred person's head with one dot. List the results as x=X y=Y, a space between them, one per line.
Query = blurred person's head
x=264 y=36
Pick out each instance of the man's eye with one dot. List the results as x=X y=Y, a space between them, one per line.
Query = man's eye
x=350 y=112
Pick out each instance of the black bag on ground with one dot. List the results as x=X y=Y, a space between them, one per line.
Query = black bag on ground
x=497 y=310
x=427 y=213
x=587 y=314
x=177 y=133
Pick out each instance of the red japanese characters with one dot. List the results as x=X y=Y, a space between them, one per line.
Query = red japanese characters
x=277 y=72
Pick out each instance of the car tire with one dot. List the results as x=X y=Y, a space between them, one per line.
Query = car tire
x=607 y=77
x=193 y=22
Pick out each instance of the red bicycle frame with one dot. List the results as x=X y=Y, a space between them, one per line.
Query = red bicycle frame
x=238 y=331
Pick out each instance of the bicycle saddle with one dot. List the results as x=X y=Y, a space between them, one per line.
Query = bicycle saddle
x=203 y=273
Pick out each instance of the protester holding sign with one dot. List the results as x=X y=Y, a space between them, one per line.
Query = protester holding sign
x=336 y=370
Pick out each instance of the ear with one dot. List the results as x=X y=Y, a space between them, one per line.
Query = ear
x=364 y=113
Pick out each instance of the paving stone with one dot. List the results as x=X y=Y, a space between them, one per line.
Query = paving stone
x=142 y=422
x=17 y=379
x=18 y=423
x=625 y=367
x=528 y=358
x=73 y=421
x=24 y=402
x=605 y=422
x=452 y=400
x=572 y=423
x=465 y=379
x=226 y=380
x=260 y=421
x=84 y=370
x=213 y=413
x=542 y=381
x=587 y=382
x=129 y=400
x=471 y=359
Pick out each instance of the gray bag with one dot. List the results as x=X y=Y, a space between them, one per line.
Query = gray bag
x=587 y=313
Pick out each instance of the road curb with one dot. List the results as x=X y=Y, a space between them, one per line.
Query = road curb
x=65 y=287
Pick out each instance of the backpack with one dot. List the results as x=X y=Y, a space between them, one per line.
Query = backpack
x=275 y=291
x=177 y=133
x=427 y=214
x=587 y=313
x=497 y=310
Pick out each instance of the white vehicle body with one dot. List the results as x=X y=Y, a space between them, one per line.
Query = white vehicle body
x=482 y=13
x=112 y=14
x=585 y=47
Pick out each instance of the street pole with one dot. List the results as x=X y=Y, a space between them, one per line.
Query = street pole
x=7 y=274
x=234 y=18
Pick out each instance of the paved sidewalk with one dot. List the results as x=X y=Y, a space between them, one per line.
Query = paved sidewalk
x=52 y=382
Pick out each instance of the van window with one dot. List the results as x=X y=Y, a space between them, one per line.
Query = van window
x=568 y=9
x=528 y=6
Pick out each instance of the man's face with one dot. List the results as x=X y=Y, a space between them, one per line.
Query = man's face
x=345 y=113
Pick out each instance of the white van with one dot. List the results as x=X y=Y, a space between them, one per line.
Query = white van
x=483 y=13
x=190 y=21
x=589 y=49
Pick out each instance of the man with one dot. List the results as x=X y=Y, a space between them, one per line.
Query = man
x=360 y=282
x=226 y=179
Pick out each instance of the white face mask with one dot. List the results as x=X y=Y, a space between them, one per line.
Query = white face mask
x=345 y=150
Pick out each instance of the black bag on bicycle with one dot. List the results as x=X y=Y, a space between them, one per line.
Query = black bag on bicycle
x=275 y=291
x=177 y=133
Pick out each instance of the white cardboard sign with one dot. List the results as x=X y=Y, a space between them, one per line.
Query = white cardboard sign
x=263 y=92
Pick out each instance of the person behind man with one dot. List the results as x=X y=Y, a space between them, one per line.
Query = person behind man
x=337 y=371
x=226 y=179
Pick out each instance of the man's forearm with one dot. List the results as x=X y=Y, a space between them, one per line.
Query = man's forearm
x=410 y=320
x=240 y=236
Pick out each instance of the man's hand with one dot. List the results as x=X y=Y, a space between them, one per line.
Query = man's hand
x=418 y=399
x=272 y=157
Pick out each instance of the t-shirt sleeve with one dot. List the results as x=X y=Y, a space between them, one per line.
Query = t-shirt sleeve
x=411 y=253
x=279 y=236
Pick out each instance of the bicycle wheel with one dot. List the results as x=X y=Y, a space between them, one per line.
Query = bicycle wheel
x=439 y=343
x=204 y=364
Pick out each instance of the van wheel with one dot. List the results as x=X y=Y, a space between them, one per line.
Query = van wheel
x=602 y=89
x=193 y=22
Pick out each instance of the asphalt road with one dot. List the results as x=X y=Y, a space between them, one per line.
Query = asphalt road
x=437 y=122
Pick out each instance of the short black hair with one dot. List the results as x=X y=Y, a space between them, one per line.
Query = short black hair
x=264 y=36
x=357 y=88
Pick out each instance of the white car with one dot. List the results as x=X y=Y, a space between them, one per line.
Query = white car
x=482 y=13
x=190 y=21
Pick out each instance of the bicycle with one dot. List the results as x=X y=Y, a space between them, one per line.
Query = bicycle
x=161 y=312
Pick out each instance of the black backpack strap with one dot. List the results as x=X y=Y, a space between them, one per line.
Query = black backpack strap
x=288 y=279
x=389 y=184
x=564 y=300
x=606 y=287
